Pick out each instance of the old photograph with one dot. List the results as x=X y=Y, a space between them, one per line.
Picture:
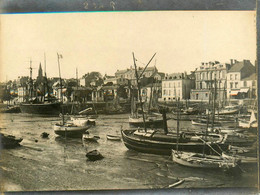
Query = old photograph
x=128 y=100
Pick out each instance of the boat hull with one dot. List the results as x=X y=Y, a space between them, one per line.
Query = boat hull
x=70 y=131
x=147 y=145
x=45 y=108
x=199 y=161
x=150 y=122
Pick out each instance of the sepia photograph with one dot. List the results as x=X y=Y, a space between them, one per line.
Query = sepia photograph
x=128 y=100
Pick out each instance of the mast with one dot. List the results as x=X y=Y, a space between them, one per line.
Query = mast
x=178 y=123
x=45 y=79
x=31 y=82
x=60 y=56
x=213 y=104
x=139 y=91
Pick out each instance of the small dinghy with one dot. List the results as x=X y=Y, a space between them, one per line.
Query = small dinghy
x=88 y=137
x=94 y=155
x=113 y=137
x=45 y=135
x=9 y=141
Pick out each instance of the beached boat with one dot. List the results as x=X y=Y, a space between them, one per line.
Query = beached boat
x=69 y=130
x=158 y=142
x=81 y=120
x=89 y=138
x=199 y=160
x=204 y=122
x=228 y=110
x=94 y=155
x=9 y=141
x=113 y=137
x=252 y=123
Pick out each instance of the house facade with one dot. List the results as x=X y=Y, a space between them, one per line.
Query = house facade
x=238 y=78
x=210 y=76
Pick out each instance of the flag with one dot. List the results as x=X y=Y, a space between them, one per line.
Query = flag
x=60 y=56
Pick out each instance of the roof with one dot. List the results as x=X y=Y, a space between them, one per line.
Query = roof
x=245 y=65
x=250 y=77
x=121 y=71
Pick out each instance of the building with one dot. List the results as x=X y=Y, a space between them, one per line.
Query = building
x=176 y=85
x=130 y=74
x=208 y=76
x=238 y=79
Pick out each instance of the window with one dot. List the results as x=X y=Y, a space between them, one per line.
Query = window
x=164 y=85
x=253 y=83
x=230 y=76
x=206 y=94
x=169 y=85
x=231 y=85
x=164 y=92
x=169 y=92
x=236 y=85
x=245 y=83
x=235 y=76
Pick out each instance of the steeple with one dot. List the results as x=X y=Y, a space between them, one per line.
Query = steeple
x=40 y=71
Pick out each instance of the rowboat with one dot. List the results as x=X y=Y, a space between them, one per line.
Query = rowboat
x=199 y=160
x=94 y=155
x=88 y=137
x=70 y=130
x=9 y=141
x=113 y=137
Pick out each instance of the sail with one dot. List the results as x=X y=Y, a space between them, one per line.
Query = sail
x=252 y=118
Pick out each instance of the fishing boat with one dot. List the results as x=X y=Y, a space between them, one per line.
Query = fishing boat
x=45 y=104
x=204 y=122
x=9 y=141
x=88 y=137
x=199 y=160
x=81 y=120
x=150 y=121
x=113 y=137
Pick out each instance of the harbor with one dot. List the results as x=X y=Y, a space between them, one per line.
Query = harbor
x=59 y=164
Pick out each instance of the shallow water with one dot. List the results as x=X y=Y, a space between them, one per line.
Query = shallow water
x=60 y=164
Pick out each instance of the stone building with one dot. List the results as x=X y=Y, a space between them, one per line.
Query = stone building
x=238 y=77
x=208 y=76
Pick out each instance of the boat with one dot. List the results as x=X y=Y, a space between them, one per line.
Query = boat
x=45 y=105
x=10 y=109
x=158 y=142
x=113 y=137
x=94 y=155
x=69 y=130
x=9 y=141
x=199 y=160
x=150 y=121
x=88 y=137
x=252 y=123
x=204 y=122
x=228 y=110
x=46 y=108
x=81 y=120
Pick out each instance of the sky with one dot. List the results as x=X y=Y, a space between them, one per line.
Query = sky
x=104 y=41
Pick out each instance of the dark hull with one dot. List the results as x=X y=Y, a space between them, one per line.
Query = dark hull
x=147 y=145
x=48 y=108
x=72 y=134
x=154 y=123
x=9 y=141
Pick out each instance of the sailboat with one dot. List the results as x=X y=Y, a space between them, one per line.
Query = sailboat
x=252 y=123
x=68 y=129
x=201 y=159
x=149 y=140
x=49 y=106
x=151 y=119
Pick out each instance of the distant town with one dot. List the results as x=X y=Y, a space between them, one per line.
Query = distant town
x=233 y=81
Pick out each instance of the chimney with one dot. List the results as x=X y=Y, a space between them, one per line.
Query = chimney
x=236 y=61
x=202 y=63
x=231 y=62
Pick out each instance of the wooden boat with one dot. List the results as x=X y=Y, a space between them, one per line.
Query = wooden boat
x=9 y=141
x=252 y=123
x=150 y=121
x=81 y=120
x=198 y=160
x=113 y=137
x=88 y=137
x=94 y=155
x=157 y=142
x=228 y=110
x=69 y=130
x=203 y=122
